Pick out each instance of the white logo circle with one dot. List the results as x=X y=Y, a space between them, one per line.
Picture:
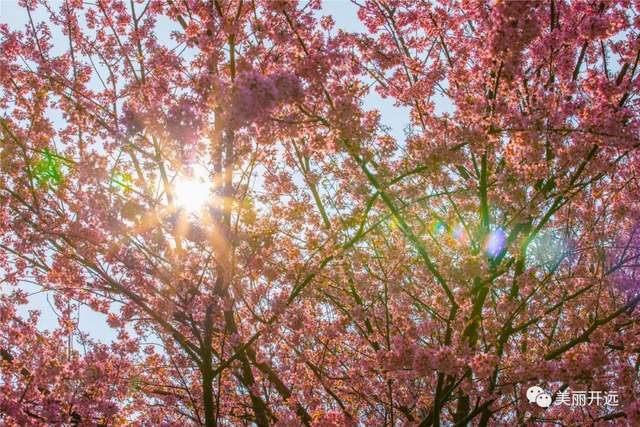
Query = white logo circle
x=533 y=392
x=543 y=400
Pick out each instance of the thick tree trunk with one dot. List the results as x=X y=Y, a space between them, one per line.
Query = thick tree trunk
x=207 y=397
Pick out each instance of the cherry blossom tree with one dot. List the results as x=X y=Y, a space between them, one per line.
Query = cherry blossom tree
x=208 y=176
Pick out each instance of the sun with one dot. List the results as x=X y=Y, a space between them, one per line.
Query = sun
x=192 y=192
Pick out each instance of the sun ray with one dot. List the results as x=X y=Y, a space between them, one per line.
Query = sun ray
x=192 y=192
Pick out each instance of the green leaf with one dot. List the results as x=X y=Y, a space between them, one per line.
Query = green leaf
x=121 y=180
x=48 y=170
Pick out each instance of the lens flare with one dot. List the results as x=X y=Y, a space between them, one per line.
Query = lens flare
x=495 y=242
x=547 y=249
x=460 y=235
x=438 y=228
